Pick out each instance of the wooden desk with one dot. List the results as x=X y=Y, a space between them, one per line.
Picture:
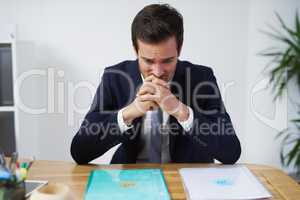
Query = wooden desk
x=279 y=184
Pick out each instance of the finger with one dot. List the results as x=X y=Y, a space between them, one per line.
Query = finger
x=160 y=82
x=146 y=88
x=152 y=88
x=147 y=97
x=153 y=106
x=157 y=81
x=149 y=78
x=143 y=92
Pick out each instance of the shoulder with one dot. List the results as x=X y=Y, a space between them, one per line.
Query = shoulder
x=121 y=66
x=119 y=69
x=196 y=70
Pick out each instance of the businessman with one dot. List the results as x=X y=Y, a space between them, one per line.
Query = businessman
x=158 y=108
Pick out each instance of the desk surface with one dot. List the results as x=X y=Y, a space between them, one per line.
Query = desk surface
x=279 y=184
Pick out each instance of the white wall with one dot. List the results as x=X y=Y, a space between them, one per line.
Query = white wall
x=264 y=118
x=72 y=41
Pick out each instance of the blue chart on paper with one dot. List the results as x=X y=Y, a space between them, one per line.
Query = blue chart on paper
x=145 y=184
x=224 y=182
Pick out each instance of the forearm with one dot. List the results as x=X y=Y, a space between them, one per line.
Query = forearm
x=216 y=136
x=97 y=134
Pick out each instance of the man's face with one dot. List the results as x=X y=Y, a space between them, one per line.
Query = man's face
x=158 y=59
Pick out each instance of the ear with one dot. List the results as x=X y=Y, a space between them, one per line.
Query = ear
x=136 y=53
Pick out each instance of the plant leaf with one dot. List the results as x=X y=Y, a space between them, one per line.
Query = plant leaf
x=295 y=150
x=297 y=23
x=281 y=133
x=296 y=120
x=288 y=30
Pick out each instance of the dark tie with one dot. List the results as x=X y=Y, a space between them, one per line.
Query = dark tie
x=155 y=137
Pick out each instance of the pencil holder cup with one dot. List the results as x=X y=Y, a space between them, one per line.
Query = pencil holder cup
x=12 y=191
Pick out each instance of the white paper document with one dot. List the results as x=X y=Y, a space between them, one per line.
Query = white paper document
x=227 y=182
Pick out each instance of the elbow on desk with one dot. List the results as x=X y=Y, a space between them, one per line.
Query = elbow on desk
x=231 y=157
x=77 y=152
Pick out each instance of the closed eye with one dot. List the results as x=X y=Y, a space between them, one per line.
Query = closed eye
x=168 y=61
x=148 y=61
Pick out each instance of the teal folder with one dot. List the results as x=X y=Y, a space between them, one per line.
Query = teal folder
x=139 y=184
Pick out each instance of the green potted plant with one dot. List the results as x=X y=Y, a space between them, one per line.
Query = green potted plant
x=283 y=67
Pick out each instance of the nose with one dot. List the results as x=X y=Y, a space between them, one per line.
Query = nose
x=157 y=70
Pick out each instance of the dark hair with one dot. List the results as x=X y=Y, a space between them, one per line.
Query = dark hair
x=156 y=23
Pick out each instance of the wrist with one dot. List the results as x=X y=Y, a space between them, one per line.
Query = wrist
x=128 y=115
x=182 y=113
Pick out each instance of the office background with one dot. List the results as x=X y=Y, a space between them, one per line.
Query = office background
x=66 y=45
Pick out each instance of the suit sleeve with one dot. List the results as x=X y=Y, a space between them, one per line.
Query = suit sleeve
x=99 y=130
x=212 y=129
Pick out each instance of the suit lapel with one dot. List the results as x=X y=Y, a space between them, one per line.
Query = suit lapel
x=177 y=81
x=136 y=78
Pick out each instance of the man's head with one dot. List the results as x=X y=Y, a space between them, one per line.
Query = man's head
x=157 y=37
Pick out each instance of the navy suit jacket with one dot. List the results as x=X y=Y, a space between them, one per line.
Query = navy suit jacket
x=211 y=137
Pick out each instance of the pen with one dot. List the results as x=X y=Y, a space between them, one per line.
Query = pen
x=2 y=160
x=13 y=161
x=24 y=165
x=31 y=162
